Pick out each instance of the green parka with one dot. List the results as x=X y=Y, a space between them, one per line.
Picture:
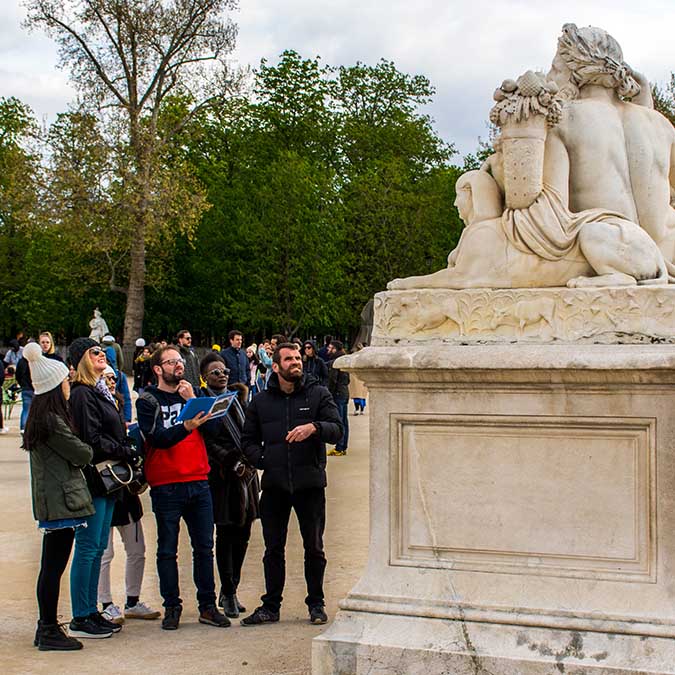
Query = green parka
x=59 y=488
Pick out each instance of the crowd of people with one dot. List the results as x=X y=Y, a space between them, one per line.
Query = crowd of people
x=259 y=453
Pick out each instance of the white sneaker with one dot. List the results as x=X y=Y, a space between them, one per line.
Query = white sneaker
x=4 y=430
x=114 y=614
x=141 y=611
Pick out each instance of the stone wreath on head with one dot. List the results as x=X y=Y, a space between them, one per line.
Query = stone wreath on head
x=595 y=57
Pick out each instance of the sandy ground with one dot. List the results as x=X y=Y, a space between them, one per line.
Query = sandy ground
x=142 y=647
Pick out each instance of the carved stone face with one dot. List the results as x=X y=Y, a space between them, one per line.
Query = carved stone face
x=464 y=202
x=559 y=73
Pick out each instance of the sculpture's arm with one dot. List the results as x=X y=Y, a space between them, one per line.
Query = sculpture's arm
x=557 y=165
x=644 y=98
x=671 y=175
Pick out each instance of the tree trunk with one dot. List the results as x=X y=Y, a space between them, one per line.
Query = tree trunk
x=133 y=317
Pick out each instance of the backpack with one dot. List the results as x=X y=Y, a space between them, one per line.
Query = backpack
x=138 y=438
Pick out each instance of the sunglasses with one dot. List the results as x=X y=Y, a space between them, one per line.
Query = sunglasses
x=111 y=378
x=96 y=351
x=218 y=372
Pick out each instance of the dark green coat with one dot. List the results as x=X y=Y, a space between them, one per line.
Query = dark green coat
x=59 y=488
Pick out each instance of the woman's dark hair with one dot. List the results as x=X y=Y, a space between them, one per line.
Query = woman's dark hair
x=210 y=358
x=42 y=415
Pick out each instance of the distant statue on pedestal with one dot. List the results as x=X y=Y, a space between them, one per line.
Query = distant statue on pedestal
x=98 y=326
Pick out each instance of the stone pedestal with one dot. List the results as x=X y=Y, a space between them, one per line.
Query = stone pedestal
x=522 y=513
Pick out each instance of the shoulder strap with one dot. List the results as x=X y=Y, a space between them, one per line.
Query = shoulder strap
x=147 y=396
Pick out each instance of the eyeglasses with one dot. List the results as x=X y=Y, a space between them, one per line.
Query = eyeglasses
x=173 y=362
x=96 y=351
x=218 y=372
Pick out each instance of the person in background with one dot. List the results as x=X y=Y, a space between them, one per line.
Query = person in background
x=142 y=370
x=61 y=499
x=235 y=359
x=323 y=352
x=46 y=342
x=98 y=423
x=23 y=379
x=313 y=365
x=233 y=482
x=338 y=385
x=357 y=388
x=3 y=428
x=190 y=360
x=13 y=354
x=126 y=519
x=215 y=348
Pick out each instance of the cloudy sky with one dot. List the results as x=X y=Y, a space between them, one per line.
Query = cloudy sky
x=465 y=47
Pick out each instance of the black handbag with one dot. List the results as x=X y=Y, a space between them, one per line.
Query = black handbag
x=115 y=474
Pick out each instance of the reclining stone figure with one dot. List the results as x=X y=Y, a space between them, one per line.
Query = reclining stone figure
x=578 y=190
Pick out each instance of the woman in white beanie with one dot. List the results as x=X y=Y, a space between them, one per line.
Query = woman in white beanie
x=61 y=499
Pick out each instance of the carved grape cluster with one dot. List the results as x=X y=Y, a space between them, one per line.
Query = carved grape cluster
x=531 y=94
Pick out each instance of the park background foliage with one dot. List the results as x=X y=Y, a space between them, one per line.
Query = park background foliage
x=180 y=192
x=305 y=192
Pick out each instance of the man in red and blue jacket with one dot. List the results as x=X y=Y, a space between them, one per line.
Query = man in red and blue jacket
x=176 y=468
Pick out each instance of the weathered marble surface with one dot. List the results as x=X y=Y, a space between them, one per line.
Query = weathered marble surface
x=605 y=315
x=384 y=644
x=522 y=493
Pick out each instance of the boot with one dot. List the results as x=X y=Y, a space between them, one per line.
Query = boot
x=51 y=637
x=230 y=606
x=240 y=607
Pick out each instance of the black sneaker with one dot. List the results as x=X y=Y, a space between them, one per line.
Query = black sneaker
x=52 y=638
x=172 y=617
x=99 y=619
x=84 y=627
x=317 y=614
x=212 y=617
x=260 y=615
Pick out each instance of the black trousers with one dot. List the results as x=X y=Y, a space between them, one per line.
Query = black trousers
x=275 y=512
x=56 y=547
x=231 y=545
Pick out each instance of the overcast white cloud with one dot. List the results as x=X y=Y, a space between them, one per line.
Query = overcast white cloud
x=465 y=48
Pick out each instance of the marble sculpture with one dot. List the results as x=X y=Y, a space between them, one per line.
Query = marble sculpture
x=580 y=189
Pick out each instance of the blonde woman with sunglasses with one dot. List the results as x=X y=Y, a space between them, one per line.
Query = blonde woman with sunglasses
x=98 y=423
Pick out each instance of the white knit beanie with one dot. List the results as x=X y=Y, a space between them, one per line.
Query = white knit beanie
x=46 y=374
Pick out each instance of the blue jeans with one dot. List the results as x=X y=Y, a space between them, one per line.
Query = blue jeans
x=343 y=409
x=27 y=399
x=90 y=543
x=190 y=501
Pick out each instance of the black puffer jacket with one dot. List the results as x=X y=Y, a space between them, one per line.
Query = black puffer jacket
x=271 y=415
x=98 y=423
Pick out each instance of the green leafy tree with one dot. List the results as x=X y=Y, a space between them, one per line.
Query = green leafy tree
x=19 y=190
x=664 y=99
x=127 y=57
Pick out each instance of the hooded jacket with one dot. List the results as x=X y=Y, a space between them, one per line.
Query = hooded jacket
x=271 y=415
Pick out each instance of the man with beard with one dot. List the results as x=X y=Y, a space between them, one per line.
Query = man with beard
x=190 y=359
x=286 y=429
x=177 y=468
